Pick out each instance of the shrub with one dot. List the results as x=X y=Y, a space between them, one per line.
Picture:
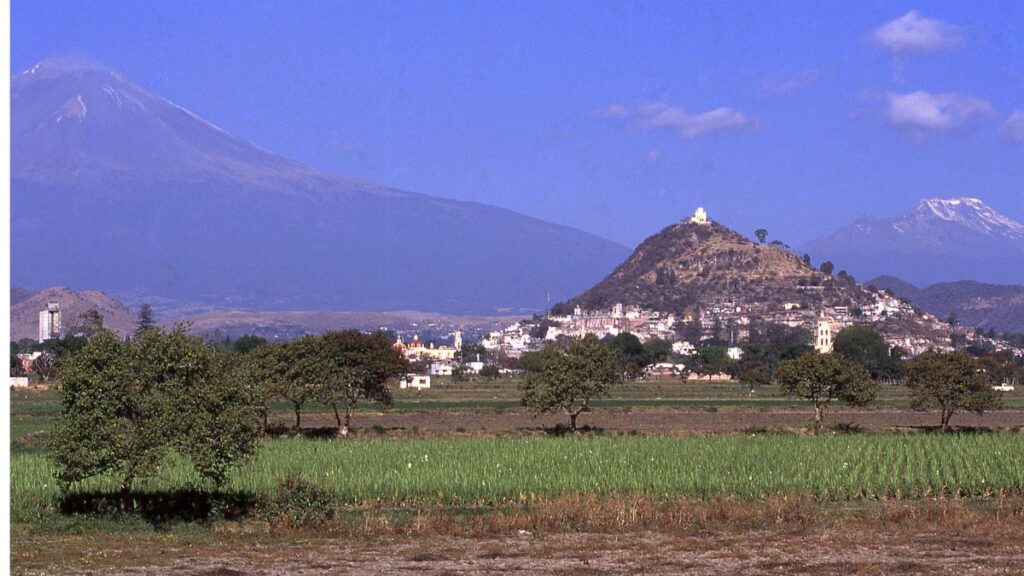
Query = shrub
x=299 y=503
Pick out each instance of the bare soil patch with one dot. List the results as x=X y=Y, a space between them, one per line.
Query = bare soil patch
x=840 y=549
x=657 y=420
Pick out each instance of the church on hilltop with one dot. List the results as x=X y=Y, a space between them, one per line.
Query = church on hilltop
x=699 y=216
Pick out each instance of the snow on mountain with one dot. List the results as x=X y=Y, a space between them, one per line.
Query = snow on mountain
x=939 y=240
x=116 y=187
x=971 y=213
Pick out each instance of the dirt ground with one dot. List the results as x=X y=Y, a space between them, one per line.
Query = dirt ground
x=660 y=420
x=846 y=550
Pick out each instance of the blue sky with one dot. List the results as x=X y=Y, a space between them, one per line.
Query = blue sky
x=617 y=118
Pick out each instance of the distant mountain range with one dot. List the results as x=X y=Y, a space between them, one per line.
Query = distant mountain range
x=974 y=304
x=940 y=240
x=115 y=187
x=25 y=307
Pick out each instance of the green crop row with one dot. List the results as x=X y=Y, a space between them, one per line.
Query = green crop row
x=488 y=471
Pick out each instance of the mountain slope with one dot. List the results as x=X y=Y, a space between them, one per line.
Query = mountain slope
x=114 y=186
x=689 y=266
x=25 y=314
x=939 y=240
x=974 y=304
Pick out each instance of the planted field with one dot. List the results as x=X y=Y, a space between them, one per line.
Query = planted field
x=481 y=471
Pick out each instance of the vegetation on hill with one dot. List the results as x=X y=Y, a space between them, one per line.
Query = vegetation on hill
x=687 y=267
x=974 y=304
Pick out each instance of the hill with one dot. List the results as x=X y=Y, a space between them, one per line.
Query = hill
x=19 y=295
x=153 y=203
x=25 y=314
x=688 y=266
x=974 y=304
x=939 y=240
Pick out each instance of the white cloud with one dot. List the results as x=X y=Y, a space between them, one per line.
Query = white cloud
x=915 y=34
x=787 y=85
x=659 y=115
x=1013 y=128
x=925 y=112
x=613 y=111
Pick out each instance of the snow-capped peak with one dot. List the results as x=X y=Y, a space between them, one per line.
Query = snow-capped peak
x=972 y=213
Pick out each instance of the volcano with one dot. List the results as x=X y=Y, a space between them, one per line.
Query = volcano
x=116 y=188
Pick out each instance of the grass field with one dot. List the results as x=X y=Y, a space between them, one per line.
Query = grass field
x=479 y=467
x=490 y=472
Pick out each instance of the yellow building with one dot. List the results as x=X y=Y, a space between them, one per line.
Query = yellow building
x=415 y=349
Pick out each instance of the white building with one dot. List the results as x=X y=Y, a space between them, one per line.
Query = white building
x=699 y=216
x=683 y=348
x=49 y=322
x=441 y=368
x=417 y=381
x=823 y=337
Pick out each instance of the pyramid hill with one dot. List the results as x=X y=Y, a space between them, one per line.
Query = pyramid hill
x=25 y=313
x=694 y=266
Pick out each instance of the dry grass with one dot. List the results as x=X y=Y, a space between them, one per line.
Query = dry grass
x=576 y=534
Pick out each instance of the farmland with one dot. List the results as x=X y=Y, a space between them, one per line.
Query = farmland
x=663 y=459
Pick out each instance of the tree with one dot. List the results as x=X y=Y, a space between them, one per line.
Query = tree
x=471 y=353
x=631 y=352
x=303 y=369
x=806 y=258
x=125 y=406
x=144 y=320
x=248 y=343
x=574 y=372
x=761 y=234
x=951 y=381
x=90 y=322
x=866 y=347
x=16 y=368
x=822 y=378
x=715 y=360
x=531 y=362
x=357 y=366
x=264 y=372
x=45 y=366
x=491 y=372
x=827 y=267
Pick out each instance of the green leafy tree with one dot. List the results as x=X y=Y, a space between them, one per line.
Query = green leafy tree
x=951 y=381
x=822 y=378
x=632 y=355
x=761 y=234
x=573 y=373
x=531 y=362
x=866 y=347
x=90 y=322
x=658 y=350
x=827 y=267
x=491 y=372
x=358 y=367
x=264 y=372
x=248 y=343
x=715 y=360
x=304 y=370
x=125 y=406
x=471 y=353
